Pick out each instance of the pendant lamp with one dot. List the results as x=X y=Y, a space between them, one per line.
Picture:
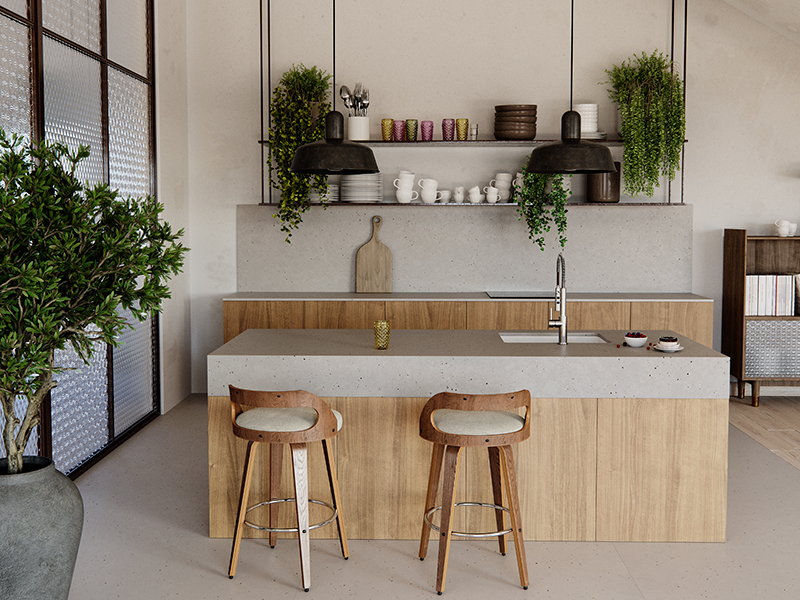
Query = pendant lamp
x=571 y=154
x=334 y=155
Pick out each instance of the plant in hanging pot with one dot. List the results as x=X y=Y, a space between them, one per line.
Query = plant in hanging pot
x=649 y=93
x=542 y=202
x=71 y=255
x=297 y=111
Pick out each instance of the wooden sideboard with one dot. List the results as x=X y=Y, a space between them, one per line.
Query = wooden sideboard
x=691 y=318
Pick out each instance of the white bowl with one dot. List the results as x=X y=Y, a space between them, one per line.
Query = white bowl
x=635 y=342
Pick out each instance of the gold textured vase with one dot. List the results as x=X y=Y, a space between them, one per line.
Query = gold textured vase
x=382 y=330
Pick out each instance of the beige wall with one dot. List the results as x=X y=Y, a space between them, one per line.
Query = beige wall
x=742 y=167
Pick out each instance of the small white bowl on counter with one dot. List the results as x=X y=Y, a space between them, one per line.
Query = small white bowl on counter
x=635 y=341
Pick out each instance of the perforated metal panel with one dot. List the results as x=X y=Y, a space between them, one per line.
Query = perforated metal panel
x=72 y=104
x=129 y=134
x=76 y=20
x=16 y=109
x=79 y=408
x=127 y=34
x=772 y=349
x=133 y=374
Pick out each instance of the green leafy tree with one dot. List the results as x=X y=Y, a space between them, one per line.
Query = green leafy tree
x=653 y=119
x=297 y=110
x=70 y=256
x=541 y=207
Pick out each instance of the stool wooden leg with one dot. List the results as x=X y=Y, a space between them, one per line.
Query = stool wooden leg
x=245 y=492
x=451 y=459
x=510 y=476
x=337 y=500
x=300 y=473
x=430 y=499
x=275 y=466
x=497 y=490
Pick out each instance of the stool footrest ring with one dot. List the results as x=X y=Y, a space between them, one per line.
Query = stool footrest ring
x=463 y=533
x=334 y=512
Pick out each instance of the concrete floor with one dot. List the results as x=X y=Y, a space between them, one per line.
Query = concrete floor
x=145 y=536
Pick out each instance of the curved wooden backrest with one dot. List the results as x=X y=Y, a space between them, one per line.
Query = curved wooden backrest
x=475 y=402
x=324 y=428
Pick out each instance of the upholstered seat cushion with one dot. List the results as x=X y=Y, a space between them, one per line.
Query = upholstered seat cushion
x=282 y=419
x=477 y=422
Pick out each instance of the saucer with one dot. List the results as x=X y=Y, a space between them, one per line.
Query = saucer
x=677 y=348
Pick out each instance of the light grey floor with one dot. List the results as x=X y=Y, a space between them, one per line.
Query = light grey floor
x=146 y=521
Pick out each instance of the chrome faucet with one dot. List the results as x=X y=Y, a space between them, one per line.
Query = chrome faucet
x=560 y=301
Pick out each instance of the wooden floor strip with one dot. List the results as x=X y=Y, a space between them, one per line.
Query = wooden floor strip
x=775 y=424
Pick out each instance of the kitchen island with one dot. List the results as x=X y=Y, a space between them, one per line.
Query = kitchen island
x=627 y=444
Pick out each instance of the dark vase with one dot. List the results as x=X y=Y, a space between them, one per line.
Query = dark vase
x=603 y=187
x=40 y=531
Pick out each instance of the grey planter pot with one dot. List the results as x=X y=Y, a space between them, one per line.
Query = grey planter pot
x=40 y=531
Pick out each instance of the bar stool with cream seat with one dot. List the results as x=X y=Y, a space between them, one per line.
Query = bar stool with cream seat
x=452 y=421
x=276 y=418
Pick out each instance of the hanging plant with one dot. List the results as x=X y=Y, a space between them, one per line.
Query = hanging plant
x=653 y=119
x=297 y=111
x=542 y=205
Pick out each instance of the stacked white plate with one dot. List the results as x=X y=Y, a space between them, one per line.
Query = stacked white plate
x=361 y=188
x=331 y=196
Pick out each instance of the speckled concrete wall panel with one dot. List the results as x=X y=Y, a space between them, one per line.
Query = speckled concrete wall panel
x=621 y=248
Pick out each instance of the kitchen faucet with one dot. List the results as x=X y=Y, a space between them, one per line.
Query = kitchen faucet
x=560 y=301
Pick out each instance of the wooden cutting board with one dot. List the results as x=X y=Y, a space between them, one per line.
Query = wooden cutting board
x=374 y=263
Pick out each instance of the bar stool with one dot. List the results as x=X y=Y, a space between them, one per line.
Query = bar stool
x=277 y=418
x=452 y=421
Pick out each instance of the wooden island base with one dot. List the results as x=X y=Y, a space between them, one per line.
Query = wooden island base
x=607 y=469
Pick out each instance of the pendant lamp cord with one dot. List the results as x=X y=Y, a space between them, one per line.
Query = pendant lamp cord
x=571 y=48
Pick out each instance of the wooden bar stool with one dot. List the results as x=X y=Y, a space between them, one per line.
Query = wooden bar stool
x=278 y=418
x=452 y=421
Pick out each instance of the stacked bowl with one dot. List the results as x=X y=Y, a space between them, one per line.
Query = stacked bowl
x=515 y=121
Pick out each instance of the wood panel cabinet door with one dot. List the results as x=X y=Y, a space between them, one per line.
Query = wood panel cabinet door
x=340 y=314
x=598 y=315
x=427 y=315
x=652 y=482
x=507 y=315
x=238 y=316
x=695 y=320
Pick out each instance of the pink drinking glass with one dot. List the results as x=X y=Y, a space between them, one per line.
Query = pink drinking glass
x=427 y=131
x=399 y=131
x=448 y=129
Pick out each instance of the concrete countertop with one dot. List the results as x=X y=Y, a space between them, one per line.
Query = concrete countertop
x=420 y=363
x=468 y=296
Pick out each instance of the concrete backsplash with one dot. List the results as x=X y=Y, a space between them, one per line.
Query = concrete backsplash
x=614 y=248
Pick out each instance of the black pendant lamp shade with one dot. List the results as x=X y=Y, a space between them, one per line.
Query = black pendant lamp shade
x=334 y=155
x=571 y=154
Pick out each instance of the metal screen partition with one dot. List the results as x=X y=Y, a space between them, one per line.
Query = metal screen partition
x=81 y=72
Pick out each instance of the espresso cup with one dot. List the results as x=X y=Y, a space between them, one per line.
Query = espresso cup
x=428 y=183
x=446 y=195
x=474 y=191
x=476 y=198
x=492 y=194
x=459 y=193
x=430 y=196
x=406 y=196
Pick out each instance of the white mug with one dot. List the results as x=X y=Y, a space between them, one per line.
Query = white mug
x=500 y=184
x=445 y=196
x=406 y=196
x=792 y=229
x=783 y=227
x=428 y=183
x=476 y=198
x=492 y=194
x=474 y=190
x=403 y=184
x=458 y=194
x=430 y=196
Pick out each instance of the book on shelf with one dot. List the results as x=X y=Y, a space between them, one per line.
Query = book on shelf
x=771 y=295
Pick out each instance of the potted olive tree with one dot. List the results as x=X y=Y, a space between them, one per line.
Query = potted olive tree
x=649 y=93
x=542 y=202
x=71 y=255
x=297 y=112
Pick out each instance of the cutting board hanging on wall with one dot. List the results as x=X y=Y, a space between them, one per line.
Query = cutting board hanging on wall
x=374 y=263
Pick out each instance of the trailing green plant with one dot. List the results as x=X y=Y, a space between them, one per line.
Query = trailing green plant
x=649 y=92
x=71 y=254
x=297 y=111
x=541 y=207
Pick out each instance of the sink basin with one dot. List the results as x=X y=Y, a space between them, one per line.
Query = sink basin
x=547 y=337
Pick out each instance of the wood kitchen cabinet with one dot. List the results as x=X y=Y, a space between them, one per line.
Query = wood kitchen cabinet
x=692 y=319
x=507 y=315
x=762 y=349
x=427 y=315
